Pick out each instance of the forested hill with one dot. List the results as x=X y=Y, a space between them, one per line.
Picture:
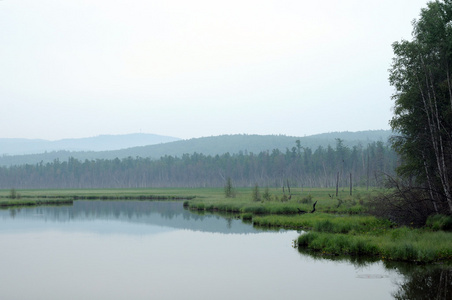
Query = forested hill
x=232 y=144
x=301 y=166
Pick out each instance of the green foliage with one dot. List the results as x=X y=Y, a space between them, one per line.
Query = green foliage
x=421 y=76
x=439 y=222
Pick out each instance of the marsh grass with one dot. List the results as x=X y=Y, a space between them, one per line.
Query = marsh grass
x=56 y=197
x=401 y=244
x=324 y=222
x=34 y=202
x=111 y=193
x=276 y=203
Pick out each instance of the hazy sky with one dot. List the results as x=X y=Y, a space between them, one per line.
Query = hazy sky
x=197 y=68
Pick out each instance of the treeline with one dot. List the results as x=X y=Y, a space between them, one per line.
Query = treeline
x=300 y=166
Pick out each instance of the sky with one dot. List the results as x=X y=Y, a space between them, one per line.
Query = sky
x=188 y=69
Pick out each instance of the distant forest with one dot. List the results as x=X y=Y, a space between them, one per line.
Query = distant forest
x=300 y=166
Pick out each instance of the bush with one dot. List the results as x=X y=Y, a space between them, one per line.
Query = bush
x=439 y=222
x=307 y=199
x=267 y=196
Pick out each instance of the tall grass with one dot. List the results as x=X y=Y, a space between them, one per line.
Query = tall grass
x=401 y=244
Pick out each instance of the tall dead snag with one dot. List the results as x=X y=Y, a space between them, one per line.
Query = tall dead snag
x=351 y=186
x=337 y=184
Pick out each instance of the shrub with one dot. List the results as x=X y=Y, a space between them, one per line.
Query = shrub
x=439 y=222
x=307 y=199
x=267 y=196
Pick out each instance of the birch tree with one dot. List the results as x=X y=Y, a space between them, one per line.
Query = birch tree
x=421 y=76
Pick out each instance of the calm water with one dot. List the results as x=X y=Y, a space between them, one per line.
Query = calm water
x=158 y=250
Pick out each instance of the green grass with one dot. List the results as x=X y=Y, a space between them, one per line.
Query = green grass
x=34 y=202
x=301 y=198
x=55 y=197
x=325 y=222
x=400 y=244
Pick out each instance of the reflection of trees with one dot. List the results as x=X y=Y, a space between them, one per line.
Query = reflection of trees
x=420 y=281
x=161 y=213
x=426 y=284
x=13 y=212
x=357 y=261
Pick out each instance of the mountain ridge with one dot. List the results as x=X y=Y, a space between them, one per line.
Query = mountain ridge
x=106 y=142
x=233 y=144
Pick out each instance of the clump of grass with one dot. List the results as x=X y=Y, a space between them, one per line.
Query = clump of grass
x=247 y=217
x=439 y=222
x=255 y=209
x=307 y=199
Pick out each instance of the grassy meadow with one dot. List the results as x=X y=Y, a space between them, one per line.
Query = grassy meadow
x=339 y=225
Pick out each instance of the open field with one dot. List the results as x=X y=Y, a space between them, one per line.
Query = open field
x=339 y=225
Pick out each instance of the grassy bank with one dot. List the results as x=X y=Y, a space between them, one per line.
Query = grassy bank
x=4 y=203
x=400 y=244
x=103 y=193
x=339 y=226
x=13 y=198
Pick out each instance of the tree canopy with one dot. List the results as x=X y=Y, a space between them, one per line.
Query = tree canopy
x=421 y=76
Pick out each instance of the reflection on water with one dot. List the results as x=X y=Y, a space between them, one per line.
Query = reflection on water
x=426 y=283
x=418 y=281
x=163 y=214
x=159 y=250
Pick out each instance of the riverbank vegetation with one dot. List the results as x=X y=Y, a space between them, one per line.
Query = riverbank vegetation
x=341 y=225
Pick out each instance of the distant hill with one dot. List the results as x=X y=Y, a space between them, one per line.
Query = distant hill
x=97 y=143
x=210 y=146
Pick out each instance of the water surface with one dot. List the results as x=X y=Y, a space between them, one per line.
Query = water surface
x=158 y=250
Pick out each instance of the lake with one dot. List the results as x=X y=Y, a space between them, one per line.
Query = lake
x=159 y=250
